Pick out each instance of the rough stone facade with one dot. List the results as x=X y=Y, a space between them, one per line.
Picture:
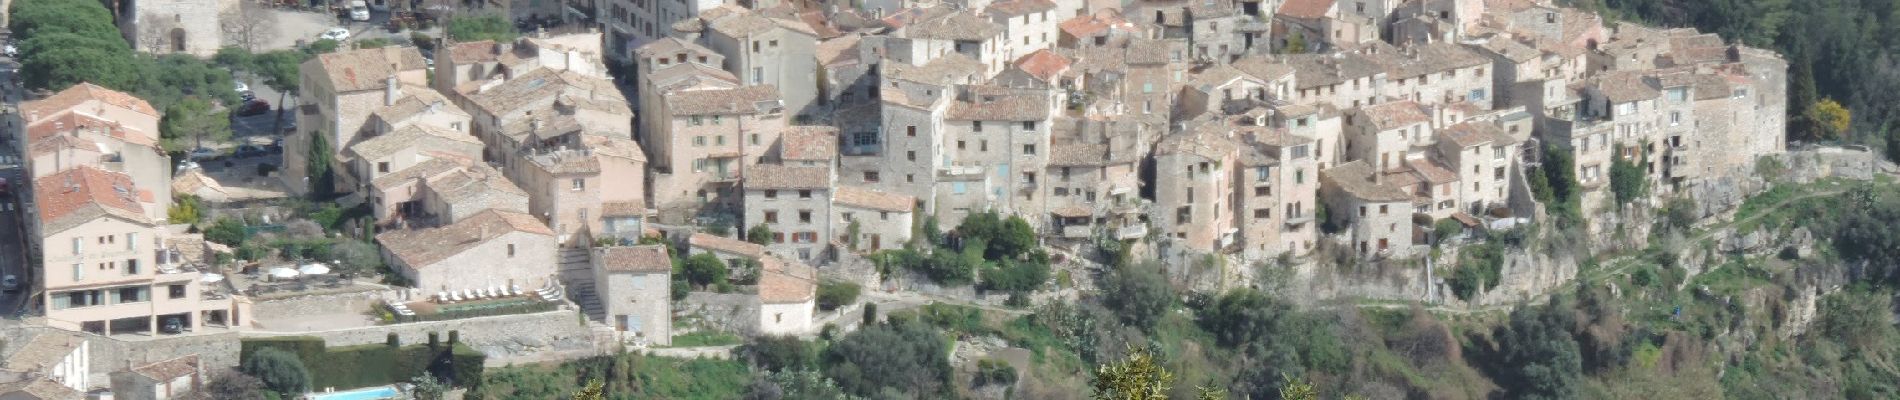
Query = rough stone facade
x=192 y=27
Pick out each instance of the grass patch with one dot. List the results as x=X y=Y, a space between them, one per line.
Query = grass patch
x=706 y=338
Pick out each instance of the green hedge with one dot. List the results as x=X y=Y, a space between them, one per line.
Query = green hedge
x=373 y=364
x=531 y=307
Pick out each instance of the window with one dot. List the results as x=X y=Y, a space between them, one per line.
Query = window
x=1625 y=108
x=719 y=140
x=1029 y=125
x=778 y=237
x=1029 y=149
x=804 y=216
x=79 y=273
x=1382 y=209
x=773 y=43
x=804 y=194
x=511 y=249
x=132 y=266
x=1497 y=173
x=771 y=217
x=1262 y=213
x=983 y=145
x=1147 y=88
x=771 y=194
x=910 y=131
x=129 y=295
x=382 y=167
x=699 y=140
x=1260 y=174
x=870 y=176
x=1675 y=118
x=755 y=139
x=132 y=241
x=910 y=155
x=1263 y=191
x=78 y=245
x=175 y=292
x=1299 y=176
x=976 y=126
x=697 y=121
x=578 y=184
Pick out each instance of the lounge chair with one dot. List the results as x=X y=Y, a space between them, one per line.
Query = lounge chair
x=469 y=293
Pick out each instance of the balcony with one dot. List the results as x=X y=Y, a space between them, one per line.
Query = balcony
x=1298 y=219
x=722 y=177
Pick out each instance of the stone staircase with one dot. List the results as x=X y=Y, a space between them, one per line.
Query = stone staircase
x=577 y=276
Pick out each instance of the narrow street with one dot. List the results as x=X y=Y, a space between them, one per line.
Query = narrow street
x=13 y=254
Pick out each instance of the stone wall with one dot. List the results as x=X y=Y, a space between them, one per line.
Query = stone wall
x=724 y=312
x=216 y=351
x=342 y=303
x=504 y=338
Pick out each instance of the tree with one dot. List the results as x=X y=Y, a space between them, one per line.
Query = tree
x=593 y=391
x=1017 y=276
x=1243 y=316
x=356 y=257
x=323 y=46
x=907 y=356
x=232 y=385
x=1139 y=377
x=227 y=231
x=251 y=26
x=759 y=234
x=1539 y=357
x=1138 y=294
x=795 y=384
x=704 y=269
x=427 y=387
x=1296 y=44
x=1628 y=181
x=192 y=119
x=318 y=166
x=279 y=69
x=780 y=353
x=280 y=371
x=1831 y=120
x=834 y=294
x=1296 y=389
x=185 y=209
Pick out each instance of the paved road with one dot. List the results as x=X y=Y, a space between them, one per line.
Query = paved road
x=12 y=236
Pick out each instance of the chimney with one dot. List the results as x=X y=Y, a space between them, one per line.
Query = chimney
x=390 y=89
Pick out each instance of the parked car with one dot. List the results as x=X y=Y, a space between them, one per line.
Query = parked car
x=172 y=325
x=250 y=151
x=10 y=283
x=203 y=153
x=338 y=34
x=253 y=107
x=240 y=86
x=359 y=11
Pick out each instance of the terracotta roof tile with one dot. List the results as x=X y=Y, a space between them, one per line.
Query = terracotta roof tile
x=990 y=103
x=1355 y=178
x=83 y=92
x=640 y=259
x=786 y=281
x=1308 y=9
x=167 y=370
x=852 y=196
x=421 y=137
x=964 y=26
x=1043 y=64
x=1013 y=8
x=419 y=248
x=365 y=69
x=737 y=101
x=722 y=244
x=41 y=389
x=71 y=120
x=75 y=196
x=1395 y=114
x=759 y=177
x=473 y=52
x=622 y=209
x=808 y=143
x=42 y=351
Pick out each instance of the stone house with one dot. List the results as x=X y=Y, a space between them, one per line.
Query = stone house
x=808 y=146
x=1040 y=69
x=74 y=138
x=631 y=24
x=1278 y=182
x=571 y=179
x=493 y=249
x=39 y=389
x=465 y=192
x=1094 y=182
x=102 y=252
x=513 y=116
x=338 y=93
x=169 y=379
x=1384 y=135
x=961 y=32
x=883 y=221
x=1377 y=215
x=1006 y=133
x=60 y=358
x=1482 y=154
x=764 y=50
x=396 y=151
x=1437 y=74
x=1028 y=25
x=470 y=66
x=707 y=139
x=420 y=106
x=787 y=297
x=1323 y=25
x=1341 y=80
x=1098 y=28
x=635 y=287
x=795 y=204
x=1195 y=206
x=98 y=102
x=1513 y=64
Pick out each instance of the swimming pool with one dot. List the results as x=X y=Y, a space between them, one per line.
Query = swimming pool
x=378 y=393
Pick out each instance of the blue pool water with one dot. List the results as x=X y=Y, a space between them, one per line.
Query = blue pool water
x=360 y=394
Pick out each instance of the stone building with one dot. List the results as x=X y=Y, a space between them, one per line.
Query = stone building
x=338 y=94
x=60 y=358
x=195 y=27
x=787 y=298
x=1377 y=216
x=169 y=379
x=795 y=204
x=493 y=249
x=635 y=287
x=883 y=221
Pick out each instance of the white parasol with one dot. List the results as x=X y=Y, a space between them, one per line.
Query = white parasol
x=212 y=278
x=314 y=269
x=284 y=273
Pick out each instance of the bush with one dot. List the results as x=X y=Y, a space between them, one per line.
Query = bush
x=1628 y=181
x=834 y=294
x=704 y=269
x=281 y=371
x=778 y=353
x=908 y=358
x=1016 y=276
x=478 y=28
x=226 y=231
x=993 y=372
x=1138 y=294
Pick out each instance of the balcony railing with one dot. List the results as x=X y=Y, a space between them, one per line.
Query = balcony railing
x=1134 y=231
x=1076 y=231
x=960 y=170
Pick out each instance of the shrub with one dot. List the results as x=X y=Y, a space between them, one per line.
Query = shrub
x=1016 y=276
x=1628 y=181
x=368 y=365
x=226 y=231
x=281 y=371
x=704 y=269
x=908 y=358
x=994 y=372
x=834 y=294
x=777 y=353
x=1138 y=294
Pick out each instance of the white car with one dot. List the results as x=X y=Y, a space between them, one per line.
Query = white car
x=10 y=283
x=203 y=153
x=337 y=34
x=240 y=86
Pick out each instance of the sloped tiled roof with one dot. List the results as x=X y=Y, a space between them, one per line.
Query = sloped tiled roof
x=1469 y=134
x=1307 y=9
x=419 y=248
x=1355 y=178
x=722 y=244
x=1395 y=114
x=1043 y=64
x=42 y=351
x=75 y=196
x=987 y=103
x=164 y=371
x=786 y=281
x=808 y=143
x=963 y=26
x=736 y=101
x=422 y=138
x=1624 y=86
x=40 y=389
x=650 y=258
x=853 y=196
x=83 y=92
x=366 y=69
x=1013 y=8
x=783 y=177
x=541 y=85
